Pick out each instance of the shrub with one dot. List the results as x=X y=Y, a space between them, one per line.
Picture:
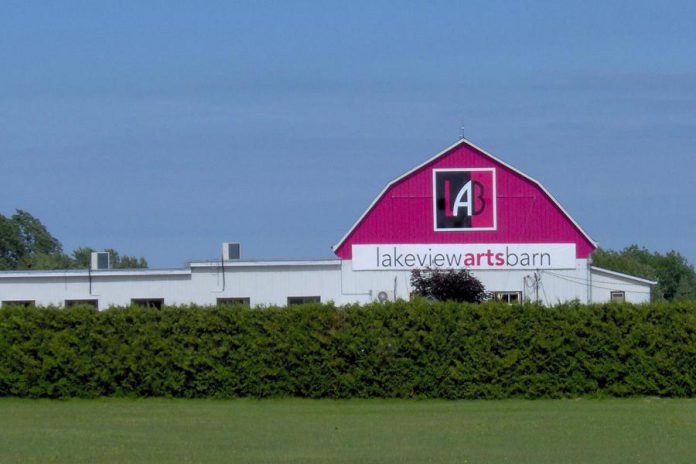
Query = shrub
x=392 y=350
x=448 y=285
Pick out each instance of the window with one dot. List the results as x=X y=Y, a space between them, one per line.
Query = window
x=242 y=300
x=297 y=300
x=509 y=297
x=19 y=303
x=617 y=296
x=148 y=302
x=69 y=303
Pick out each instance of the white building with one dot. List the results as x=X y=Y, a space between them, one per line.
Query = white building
x=463 y=208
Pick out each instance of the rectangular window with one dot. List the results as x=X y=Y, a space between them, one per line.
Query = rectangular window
x=19 y=303
x=93 y=303
x=297 y=300
x=509 y=297
x=148 y=302
x=617 y=296
x=241 y=300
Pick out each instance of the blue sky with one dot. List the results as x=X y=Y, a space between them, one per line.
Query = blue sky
x=162 y=129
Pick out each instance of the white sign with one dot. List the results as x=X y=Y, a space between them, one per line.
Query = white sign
x=464 y=256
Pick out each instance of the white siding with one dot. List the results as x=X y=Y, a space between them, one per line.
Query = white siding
x=604 y=282
x=271 y=283
x=553 y=286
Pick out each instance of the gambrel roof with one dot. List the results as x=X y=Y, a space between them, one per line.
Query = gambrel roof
x=550 y=223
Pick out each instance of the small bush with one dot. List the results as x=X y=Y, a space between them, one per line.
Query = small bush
x=448 y=285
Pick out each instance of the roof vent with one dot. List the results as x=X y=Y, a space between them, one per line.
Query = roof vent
x=100 y=260
x=230 y=251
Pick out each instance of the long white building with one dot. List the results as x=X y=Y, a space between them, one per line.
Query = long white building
x=463 y=208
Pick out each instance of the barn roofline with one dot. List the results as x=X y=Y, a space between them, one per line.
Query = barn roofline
x=623 y=276
x=442 y=153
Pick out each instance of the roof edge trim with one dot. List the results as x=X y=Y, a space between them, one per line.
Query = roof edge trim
x=625 y=276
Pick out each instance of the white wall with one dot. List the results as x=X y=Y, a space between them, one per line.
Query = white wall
x=554 y=286
x=604 y=282
x=271 y=283
x=268 y=284
x=264 y=283
x=109 y=287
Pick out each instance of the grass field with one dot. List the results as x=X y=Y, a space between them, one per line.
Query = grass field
x=361 y=431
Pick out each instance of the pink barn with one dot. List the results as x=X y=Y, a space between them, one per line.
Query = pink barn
x=515 y=207
x=463 y=208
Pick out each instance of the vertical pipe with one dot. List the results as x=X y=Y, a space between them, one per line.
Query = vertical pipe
x=589 y=279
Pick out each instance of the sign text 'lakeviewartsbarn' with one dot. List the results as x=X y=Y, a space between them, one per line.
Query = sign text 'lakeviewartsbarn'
x=464 y=256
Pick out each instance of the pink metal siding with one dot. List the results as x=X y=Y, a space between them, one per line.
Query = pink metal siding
x=404 y=213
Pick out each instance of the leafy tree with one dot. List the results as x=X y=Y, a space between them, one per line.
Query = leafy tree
x=675 y=277
x=125 y=261
x=25 y=243
x=83 y=255
x=444 y=285
x=50 y=261
x=35 y=238
x=11 y=249
x=686 y=290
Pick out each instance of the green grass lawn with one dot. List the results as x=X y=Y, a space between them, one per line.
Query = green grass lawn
x=361 y=431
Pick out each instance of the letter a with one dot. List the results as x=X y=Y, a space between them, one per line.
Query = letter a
x=459 y=203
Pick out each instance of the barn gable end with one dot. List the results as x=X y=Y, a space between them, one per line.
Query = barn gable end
x=521 y=211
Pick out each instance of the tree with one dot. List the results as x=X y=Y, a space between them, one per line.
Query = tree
x=82 y=257
x=25 y=243
x=125 y=261
x=35 y=238
x=443 y=285
x=675 y=277
x=11 y=249
x=686 y=290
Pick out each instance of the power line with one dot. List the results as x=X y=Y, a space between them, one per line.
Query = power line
x=593 y=280
x=583 y=281
x=586 y=282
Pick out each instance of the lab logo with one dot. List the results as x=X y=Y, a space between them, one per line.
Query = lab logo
x=464 y=199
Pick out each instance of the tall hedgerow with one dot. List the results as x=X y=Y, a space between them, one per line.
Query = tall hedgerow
x=393 y=350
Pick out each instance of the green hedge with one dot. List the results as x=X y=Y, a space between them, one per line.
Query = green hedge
x=394 y=350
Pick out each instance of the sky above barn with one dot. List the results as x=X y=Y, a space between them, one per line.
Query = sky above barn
x=162 y=129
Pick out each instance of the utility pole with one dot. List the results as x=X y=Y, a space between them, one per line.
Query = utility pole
x=536 y=282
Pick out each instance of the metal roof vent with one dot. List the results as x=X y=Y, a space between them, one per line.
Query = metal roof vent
x=100 y=260
x=230 y=251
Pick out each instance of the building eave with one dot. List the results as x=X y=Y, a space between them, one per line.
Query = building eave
x=79 y=273
x=622 y=275
x=267 y=263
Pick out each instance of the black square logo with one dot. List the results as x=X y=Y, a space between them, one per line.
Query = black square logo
x=464 y=199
